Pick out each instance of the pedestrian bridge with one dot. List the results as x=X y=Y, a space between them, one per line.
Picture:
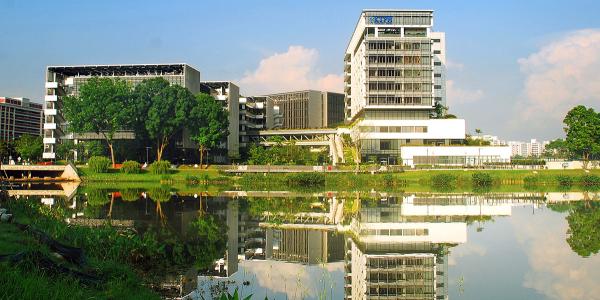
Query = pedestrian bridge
x=307 y=137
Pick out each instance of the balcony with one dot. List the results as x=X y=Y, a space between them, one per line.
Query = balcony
x=49 y=125
x=50 y=112
x=51 y=85
x=50 y=98
x=49 y=140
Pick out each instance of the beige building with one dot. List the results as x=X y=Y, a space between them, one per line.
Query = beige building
x=304 y=109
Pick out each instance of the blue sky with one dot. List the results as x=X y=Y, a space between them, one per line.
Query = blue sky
x=502 y=54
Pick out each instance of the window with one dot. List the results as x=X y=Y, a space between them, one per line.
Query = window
x=385 y=145
x=437 y=75
x=437 y=87
x=436 y=40
x=437 y=52
x=437 y=63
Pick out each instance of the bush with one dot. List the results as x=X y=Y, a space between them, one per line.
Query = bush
x=590 y=180
x=131 y=194
x=160 y=167
x=482 y=179
x=564 y=180
x=443 y=180
x=131 y=167
x=530 y=180
x=306 y=179
x=99 y=164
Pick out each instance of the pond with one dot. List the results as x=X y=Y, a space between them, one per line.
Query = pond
x=369 y=245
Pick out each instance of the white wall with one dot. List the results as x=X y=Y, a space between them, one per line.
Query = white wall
x=408 y=152
x=436 y=129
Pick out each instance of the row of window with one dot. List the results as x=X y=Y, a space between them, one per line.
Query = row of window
x=393 y=291
x=397 y=100
x=396 y=232
x=396 y=262
x=394 y=129
x=398 y=45
x=401 y=73
x=402 y=87
x=391 y=277
x=398 y=59
x=455 y=160
x=398 y=115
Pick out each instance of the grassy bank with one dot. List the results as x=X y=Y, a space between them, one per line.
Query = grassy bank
x=27 y=280
x=181 y=175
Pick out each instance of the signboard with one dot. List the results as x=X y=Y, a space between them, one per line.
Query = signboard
x=380 y=19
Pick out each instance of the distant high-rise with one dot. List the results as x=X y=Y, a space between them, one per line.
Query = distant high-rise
x=19 y=116
x=394 y=74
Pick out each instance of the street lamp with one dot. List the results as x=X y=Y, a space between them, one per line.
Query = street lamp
x=147 y=149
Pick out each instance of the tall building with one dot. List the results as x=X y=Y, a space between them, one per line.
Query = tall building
x=304 y=109
x=394 y=78
x=533 y=148
x=19 y=116
x=64 y=81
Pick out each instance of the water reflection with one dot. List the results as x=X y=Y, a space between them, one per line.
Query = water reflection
x=359 y=246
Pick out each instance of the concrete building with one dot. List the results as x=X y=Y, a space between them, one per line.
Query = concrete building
x=395 y=74
x=533 y=148
x=228 y=94
x=304 y=109
x=19 y=116
x=252 y=119
x=66 y=80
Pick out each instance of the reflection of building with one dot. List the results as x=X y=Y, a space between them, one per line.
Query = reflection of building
x=312 y=246
x=64 y=81
x=19 y=116
x=399 y=248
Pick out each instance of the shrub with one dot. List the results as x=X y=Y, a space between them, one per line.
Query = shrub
x=99 y=164
x=160 y=167
x=131 y=167
x=130 y=194
x=443 y=180
x=590 y=180
x=191 y=179
x=306 y=179
x=388 y=179
x=530 y=180
x=482 y=179
x=564 y=180
x=161 y=193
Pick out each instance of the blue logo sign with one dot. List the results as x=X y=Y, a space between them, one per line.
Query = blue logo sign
x=380 y=20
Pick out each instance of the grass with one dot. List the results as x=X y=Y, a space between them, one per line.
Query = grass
x=25 y=281
x=176 y=175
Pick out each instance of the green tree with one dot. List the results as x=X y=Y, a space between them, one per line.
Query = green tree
x=29 y=147
x=141 y=101
x=208 y=123
x=168 y=114
x=101 y=107
x=7 y=149
x=583 y=235
x=65 y=149
x=557 y=149
x=582 y=126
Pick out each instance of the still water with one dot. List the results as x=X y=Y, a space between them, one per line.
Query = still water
x=336 y=245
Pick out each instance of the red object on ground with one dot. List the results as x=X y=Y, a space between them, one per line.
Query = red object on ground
x=117 y=166
x=45 y=163
x=329 y=168
x=117 y=194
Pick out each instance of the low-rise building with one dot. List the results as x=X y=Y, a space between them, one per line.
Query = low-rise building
x=19 y=116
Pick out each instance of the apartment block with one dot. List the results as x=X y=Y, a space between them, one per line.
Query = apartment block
x=19 y=116
x=64 y=81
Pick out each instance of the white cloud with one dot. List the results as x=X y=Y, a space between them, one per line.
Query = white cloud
x=556 y=271
x=562 y=74
x=295 y=69
x=455 y=65
x=459 y=95
x=465 y=250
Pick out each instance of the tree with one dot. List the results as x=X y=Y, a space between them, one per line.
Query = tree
x=29 y=147
x=557 y=149
x=439 y=111
x=168 y=114
x=64 y=149
x=582 y=126
x=101 y=107
x=208 y=123
x=583 y=235
x=7 y=149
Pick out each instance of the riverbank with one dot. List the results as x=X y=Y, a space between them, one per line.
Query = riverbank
x=118 y=263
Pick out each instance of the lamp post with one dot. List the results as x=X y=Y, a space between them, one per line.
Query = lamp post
x=147 y=149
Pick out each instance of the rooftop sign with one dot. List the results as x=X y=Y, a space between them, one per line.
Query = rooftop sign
x=380 y=20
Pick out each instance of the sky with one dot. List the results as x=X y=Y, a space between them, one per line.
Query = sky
x=514 y=67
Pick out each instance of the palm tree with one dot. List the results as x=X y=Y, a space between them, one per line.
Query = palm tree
x=478 y=131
